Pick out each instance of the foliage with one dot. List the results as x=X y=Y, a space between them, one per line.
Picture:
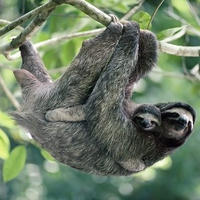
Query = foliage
x=38 y=176
x=143 y=18
x=14 y=163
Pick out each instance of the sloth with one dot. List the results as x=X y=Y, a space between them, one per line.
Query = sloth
x=86 y=118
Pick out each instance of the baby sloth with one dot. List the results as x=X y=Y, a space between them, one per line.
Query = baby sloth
x=87 y=120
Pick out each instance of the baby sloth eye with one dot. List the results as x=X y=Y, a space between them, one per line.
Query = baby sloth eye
x=154 y=123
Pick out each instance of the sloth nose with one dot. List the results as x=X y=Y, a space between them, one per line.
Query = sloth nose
x=182 y=122
x=145 y=124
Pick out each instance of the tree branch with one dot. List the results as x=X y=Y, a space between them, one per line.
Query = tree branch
x=26 y=33
x=175 y=75
x=162 y=45
x=133 y=10
x=88 y=9
x=78 y=34
x=44 y=11
x=179 y=50
x=194 y=13
x=56 y=40
x=27 y=16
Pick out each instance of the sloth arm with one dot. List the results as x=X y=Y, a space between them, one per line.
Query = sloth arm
x=77 y=113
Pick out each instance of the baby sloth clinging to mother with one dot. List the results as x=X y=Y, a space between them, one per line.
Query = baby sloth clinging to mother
x=87 y=120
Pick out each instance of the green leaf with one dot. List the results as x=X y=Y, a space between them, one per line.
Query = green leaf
x=4 y=145
x=15 y=163
x=142 y=18
x=6 y=120
x=168 y=32
x=46 y=155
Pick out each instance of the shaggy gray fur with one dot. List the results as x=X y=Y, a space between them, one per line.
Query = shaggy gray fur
x=116 y=136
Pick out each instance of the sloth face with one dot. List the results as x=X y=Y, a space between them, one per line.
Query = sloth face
x=162 y=128
x=177 y=123
x=147 y=118
x=169 y=123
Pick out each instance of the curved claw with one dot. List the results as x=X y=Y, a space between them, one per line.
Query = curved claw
x=114 y=18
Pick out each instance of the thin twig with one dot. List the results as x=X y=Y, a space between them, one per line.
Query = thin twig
x=132 y=11
x=154 y=13
x=69 y=36
x=8 y=93
x=58 y=39
x=193 y=13
x=5 y=66
x=184 y=22
x=173 y=75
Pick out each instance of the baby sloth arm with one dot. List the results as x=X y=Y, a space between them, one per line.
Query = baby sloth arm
x=71 y=114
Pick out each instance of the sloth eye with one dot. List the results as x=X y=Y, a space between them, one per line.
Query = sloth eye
x=171 y=115
x=154 y=123
x=137 y=118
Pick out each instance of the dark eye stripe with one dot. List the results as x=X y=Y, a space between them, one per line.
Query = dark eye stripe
x=172 y=115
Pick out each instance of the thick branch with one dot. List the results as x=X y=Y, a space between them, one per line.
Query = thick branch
x=179 y=50
x=26 y=33
x=88 y=9
x=44 y=11
x=82 y=5
x=27 y=16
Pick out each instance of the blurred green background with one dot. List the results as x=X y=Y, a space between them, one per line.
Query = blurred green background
x=175 y=178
